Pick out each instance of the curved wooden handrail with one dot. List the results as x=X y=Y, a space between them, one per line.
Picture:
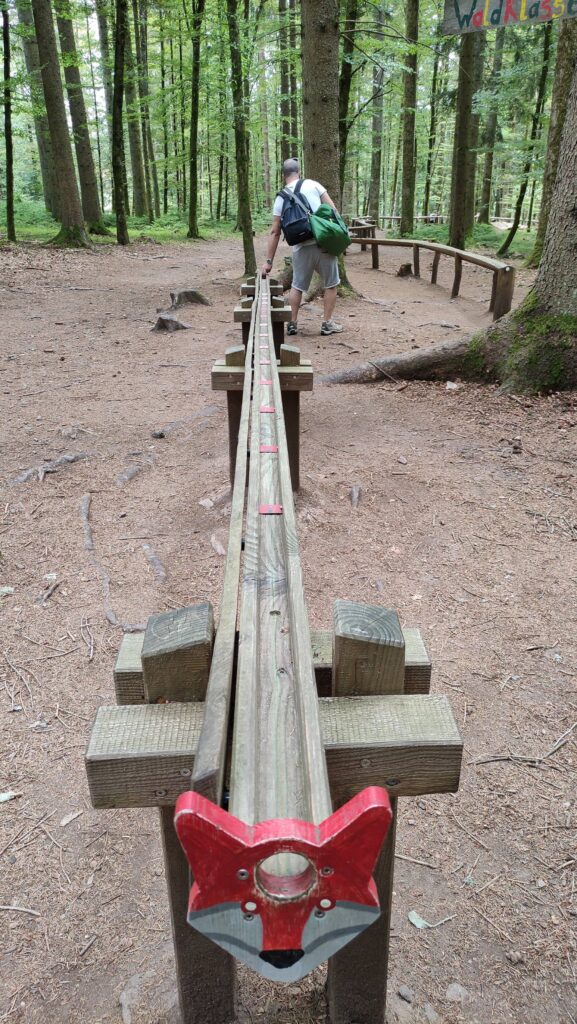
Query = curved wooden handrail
x=503 y=273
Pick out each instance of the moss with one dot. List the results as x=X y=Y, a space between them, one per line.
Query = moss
x=475 y=358
x=541 y=354
x=71 y=238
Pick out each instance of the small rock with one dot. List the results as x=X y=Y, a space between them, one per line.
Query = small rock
x=39 y=726
x=158 y=433
x=515 y=957
x=406 y=993
x=456 y=993
x=451 y=386
x=402 y=460
x=431 y=1014
x=206 y=503
x=541 y=883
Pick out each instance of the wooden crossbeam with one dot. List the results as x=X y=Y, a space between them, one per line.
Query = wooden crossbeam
x=129 y=683
x=142 y=756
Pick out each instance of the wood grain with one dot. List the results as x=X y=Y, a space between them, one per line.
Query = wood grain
x=176 y=654
x=128 y=681
x=368 y=650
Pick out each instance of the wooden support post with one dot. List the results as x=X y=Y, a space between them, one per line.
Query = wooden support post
x=375 y=254
x=245 y=332
x=234 y=356
x=278 y=335
x=416 y=261
x=457 y=277
x=435 y=269
x=290 y=356
x=369 y=657
x=176 y=654
x=504 y=286
x=205 y=973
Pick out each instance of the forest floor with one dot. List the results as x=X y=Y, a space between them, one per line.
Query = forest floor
x=466 y=524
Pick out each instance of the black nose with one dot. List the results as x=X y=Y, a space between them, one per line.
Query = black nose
x=282 y=958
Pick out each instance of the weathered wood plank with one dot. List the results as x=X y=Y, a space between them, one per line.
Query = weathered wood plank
x=176 y=654
x=410 y=744
x=368 y=650
x=243 y=315
x=128 y=681
x=292 y=378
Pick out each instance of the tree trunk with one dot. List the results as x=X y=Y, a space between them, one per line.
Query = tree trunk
x=432 y=132
x=84 y=159
x=139 y=11
x=566 y=55
x=30 y=48
x=398 y=150
x=73 y=231
x=345 y=80
x=182 y=117
x=320 y=86
x=293 y=77
x=96 y=115
x=478 y=64
x=535 y=126
x=285 y=99
x=8 y=142
x=164 y=112
x=409 y=112
x=140 y=194
x=462 y=142
x=241 y=138
x=118 y=165
x=197 y=15
x=223 y=127
x=491 y=128
x=267 y=184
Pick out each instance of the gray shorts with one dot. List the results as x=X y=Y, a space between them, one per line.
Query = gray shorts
x=309 y=258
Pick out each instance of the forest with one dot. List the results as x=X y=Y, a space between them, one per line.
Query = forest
x=171 y=119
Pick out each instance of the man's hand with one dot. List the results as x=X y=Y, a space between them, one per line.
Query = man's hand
x=266 y=269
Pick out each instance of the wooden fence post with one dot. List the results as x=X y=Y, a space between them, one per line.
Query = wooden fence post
x=503 y=288
x=291 y=403
x=234 y=356
x=369 y=658
x=457 y=277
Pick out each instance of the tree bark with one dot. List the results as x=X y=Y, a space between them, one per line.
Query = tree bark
x=490 y=137
x=535 y=126
x=118 y=165
x=566 y=55
x=140 y=14
x=285 y=98
x=42 y=131
x=373 y=205
x=320 y=91
x=84 y=159
x=73 y=231
x=8 y=141
x=293 y=77
x=197 y=15
x=432 y=141
x=478 y=65
x=267 y=183
x=345 y=81
x=241 y=137
x=96 y=115
x=409 y=112
x=462 y=142
x=140 y=194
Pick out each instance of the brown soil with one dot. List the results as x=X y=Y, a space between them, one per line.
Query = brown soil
x=466 y=525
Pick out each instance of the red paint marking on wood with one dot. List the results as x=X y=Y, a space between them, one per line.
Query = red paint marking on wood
x=270 y=510
x=272 y=448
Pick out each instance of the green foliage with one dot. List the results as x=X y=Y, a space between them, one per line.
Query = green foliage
x=485 y=236
x=541 y=354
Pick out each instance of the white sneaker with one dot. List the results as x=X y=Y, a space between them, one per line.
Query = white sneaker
x=330 y=327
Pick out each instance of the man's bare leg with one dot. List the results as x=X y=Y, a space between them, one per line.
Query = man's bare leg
x=295 y=299
x=329 y=301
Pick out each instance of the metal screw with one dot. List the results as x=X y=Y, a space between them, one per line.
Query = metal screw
x=185 y=772
x=248 y=917
x=365 y=762
x=327 y=871
x=319 y=913
x=392 y=782
x=161 y=792
x=242 y=874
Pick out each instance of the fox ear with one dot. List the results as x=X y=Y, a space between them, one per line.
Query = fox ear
x=358 y=829
x=203 y=828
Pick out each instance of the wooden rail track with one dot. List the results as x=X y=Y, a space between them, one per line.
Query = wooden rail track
x=503 y=285
x=306 y=739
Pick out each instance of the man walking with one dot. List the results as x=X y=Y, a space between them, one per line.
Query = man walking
x=307 y=257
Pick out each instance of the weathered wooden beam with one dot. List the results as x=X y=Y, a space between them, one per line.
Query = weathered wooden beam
x=368 y=650
x=292 y=378
x=130 y=686
x=280 y=315
x=141 y=756
x=176 y=654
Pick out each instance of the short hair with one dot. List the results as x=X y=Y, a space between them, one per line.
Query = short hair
x=290 y=166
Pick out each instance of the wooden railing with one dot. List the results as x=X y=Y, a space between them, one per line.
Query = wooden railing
x=503 y=273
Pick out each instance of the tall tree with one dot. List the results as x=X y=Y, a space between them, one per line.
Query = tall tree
x=84 y=159
x=409 y=115
x=293 y=76
x=8 y=143
x=478 y=67
x=535 y=128
x=118 y=165
x=42 y=131
x=72 y=231
x=285 y=97
x=490 y=136
x=140 y=18
x=197 y=15
x=141 y=198
x=345 y=80
x=320 y=87
x=432 y=141
x=241 y=138
x=377 y=124
x=462 y=142
x=566 y=57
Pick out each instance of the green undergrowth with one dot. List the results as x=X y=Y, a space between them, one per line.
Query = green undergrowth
x=34 y=224
x=485 y=236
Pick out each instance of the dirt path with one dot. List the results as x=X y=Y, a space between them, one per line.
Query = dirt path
x=466 y=525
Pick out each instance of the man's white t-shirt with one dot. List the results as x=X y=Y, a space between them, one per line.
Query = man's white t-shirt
x=312 y=190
